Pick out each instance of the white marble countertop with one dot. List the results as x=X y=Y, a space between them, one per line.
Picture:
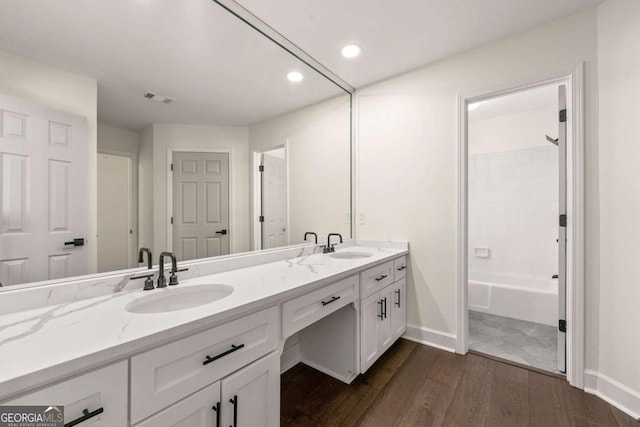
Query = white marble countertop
x=46 y=344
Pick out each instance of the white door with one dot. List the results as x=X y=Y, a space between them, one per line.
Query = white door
x=114 y=212
x=562 y=229
x=198 y=410
x=399 y=309
x=274 y=201
x=372 y=316
x=251 y=396
x=200 y=204
x=44 y=187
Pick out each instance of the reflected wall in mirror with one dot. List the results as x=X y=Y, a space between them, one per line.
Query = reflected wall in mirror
x=167 y=125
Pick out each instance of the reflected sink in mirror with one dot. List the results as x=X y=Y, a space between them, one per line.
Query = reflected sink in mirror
x=174 y=299
x=350 y=255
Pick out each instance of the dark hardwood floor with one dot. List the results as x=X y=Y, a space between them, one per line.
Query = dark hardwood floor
x=415 y=385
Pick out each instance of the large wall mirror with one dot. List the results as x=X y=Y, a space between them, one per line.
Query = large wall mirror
x=168 y=125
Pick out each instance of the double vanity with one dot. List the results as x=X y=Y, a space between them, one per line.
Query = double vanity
x=209 y=351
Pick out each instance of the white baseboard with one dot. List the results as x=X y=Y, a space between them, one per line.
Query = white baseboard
x=431 y=337
x=613 y=392
x=290 y=358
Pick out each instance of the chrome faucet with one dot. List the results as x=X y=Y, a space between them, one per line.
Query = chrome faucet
x=331 y=248
x=173 y=279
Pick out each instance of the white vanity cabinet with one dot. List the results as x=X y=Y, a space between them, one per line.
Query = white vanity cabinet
x=383 y=317
x=248 y=397
x=100 y=397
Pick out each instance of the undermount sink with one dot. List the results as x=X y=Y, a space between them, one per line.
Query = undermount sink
x=350 y=255
x=174 y=299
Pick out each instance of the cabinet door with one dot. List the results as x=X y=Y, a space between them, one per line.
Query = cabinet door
x=251 y=396
x=99 y=397
x=198 y=410
x=385 y=334
x=399 y=309
x=371 y=317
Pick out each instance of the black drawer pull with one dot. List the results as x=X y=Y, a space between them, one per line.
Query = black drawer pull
x=234 y=402
x=217 y=409
x=384 y=276
x=75 y=242
x=233 y=348
x=398 y=293
x=87 y=415
x=401 y=268
x=330 y=301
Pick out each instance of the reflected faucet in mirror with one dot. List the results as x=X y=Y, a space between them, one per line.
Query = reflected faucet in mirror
x=141 y=253
x=312 y=233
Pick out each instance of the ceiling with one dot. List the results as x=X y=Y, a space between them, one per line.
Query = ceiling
x=398 y=36
x=526 y=100
x=219 y=69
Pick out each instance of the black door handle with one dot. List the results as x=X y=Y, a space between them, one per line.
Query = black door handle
x=382 y=277
x=381 y=315
x=75 y=242
x=86 y=415
x=223 y=232
x=216 y=408
x=555 y=276
x=234 y=402
x=398 y=293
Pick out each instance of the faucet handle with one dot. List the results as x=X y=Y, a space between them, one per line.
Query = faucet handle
x=173 y=279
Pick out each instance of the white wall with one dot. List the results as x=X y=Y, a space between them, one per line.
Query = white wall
x=60 y=90
x=145 y=189
x=318 y=143
x=619 y=78
x=235 y=139
x=117 y=139
x=407 y=142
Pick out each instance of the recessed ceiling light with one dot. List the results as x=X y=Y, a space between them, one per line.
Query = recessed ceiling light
x=351 y=51
x=295 y=76
x=473 y=106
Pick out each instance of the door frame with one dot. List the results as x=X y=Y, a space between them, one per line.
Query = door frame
x=169 y=211
x=256 y=193
x=574 y=79
x=133 y=211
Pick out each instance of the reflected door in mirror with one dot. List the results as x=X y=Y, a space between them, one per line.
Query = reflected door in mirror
x=44 y=193
x=200 y=204
x=274 y=201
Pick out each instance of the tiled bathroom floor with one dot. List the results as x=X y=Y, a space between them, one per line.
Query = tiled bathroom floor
x=520 y=341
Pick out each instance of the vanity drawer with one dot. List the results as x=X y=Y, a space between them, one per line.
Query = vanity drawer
x=376 y=278
x=102 y=393
x=301 y=312
x=399 y=268
x=166 y=374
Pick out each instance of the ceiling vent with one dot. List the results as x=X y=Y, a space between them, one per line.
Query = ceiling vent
x=167 y=100
x=158 y=98
x=149 y=95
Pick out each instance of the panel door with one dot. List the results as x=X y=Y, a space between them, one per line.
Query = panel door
x=274 y=202
x=198 y=410
x=371 y=316
x=200 y=204
x=398 y=309
x=251 y=396
x=44 y=187
x=385 y=334
x=562 y=229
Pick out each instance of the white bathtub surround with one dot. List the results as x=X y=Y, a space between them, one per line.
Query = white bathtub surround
x=82 y=334
x=519 y=297
x=513 y=211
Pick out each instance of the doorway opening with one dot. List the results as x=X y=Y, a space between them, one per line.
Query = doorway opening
x=270 y=198
x=116 y=211
x=474 y=257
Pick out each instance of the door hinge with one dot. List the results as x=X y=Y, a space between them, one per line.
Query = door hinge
x=261 y=168
x=171 y=220
x=563 y=115
x=171 y=167
x=563 y=220
x=562 y=325
x=261 y=218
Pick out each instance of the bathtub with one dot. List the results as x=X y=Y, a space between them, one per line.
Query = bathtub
x=528 y=298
